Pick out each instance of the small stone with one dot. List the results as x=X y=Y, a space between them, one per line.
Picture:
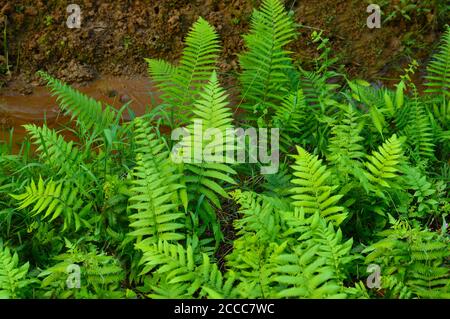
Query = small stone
x=125 y=98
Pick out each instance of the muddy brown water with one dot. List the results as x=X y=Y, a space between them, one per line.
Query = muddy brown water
x=40 y=107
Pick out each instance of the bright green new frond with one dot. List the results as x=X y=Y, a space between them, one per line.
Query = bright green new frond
x=264 y=78
x=206 y=144
x=331 y=246
x=12 y=275
x=181 y=85
x=312 y=191
x=154 y=192
x=88 y=111
x=383 y=165
x=52 y=199
x=438 y=78
x=60 y=155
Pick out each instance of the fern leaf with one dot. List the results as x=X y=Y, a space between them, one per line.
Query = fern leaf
x=154 y=192
x=53 y=199
x=12 y=275
x=62 y=156
x=438 y=78
x=265 y=64
x=311 y=191
x=383 y=165
x=88 y=111
x=181 y=85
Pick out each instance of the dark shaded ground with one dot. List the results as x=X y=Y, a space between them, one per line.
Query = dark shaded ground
x=115 y=36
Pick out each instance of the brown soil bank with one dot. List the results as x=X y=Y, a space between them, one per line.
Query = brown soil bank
x=115 y=36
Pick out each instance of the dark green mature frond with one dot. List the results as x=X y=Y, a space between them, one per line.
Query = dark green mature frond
x=312 y=190
x=181 y=85
x=60 y=155
x=345 y=147
x=331 y=246
x=100 y=275
x=438 y=78
x=264 y=78
x=155 y=190
x=13 y=277
x=289 y=118
x=87 y=110
x=175 y=270
x=419 y=131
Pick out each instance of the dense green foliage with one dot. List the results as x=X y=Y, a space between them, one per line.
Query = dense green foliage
x=363 y=179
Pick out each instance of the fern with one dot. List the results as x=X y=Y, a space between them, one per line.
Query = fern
x=289 y=118
x=311 y=190
x=265 y=64
x=54 y=199
x=414 y=257
x=176 y=270
x=61 y=156
x=305 y=275
x=100 y=275
x=345 y=148
x=438 y=78
x=383 y=165
x=204 y=174
x=181 y=85
x=13 y=277
x=88 y=111
x=154 y=192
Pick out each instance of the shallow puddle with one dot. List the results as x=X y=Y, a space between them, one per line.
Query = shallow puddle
x=40 y=106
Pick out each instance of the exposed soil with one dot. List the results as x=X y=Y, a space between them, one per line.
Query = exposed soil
x=116 y=36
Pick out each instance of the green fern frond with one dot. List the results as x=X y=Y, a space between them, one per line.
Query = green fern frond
x=418 y=131
x=438 y=78
x=290 y=117
x=12 y=275
x=383 y=165
x=176 y=270
x=311 y=189
x=88 y=111
x=181 y=85
x=211 y=115
x=60 y=155
x=345 y=147
x=417 y=258
x=100 y=275
x=264 y=78
x=54 y=199
x=305 y=275
x=331 y=246
x=155 y=190
x=259 y=217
